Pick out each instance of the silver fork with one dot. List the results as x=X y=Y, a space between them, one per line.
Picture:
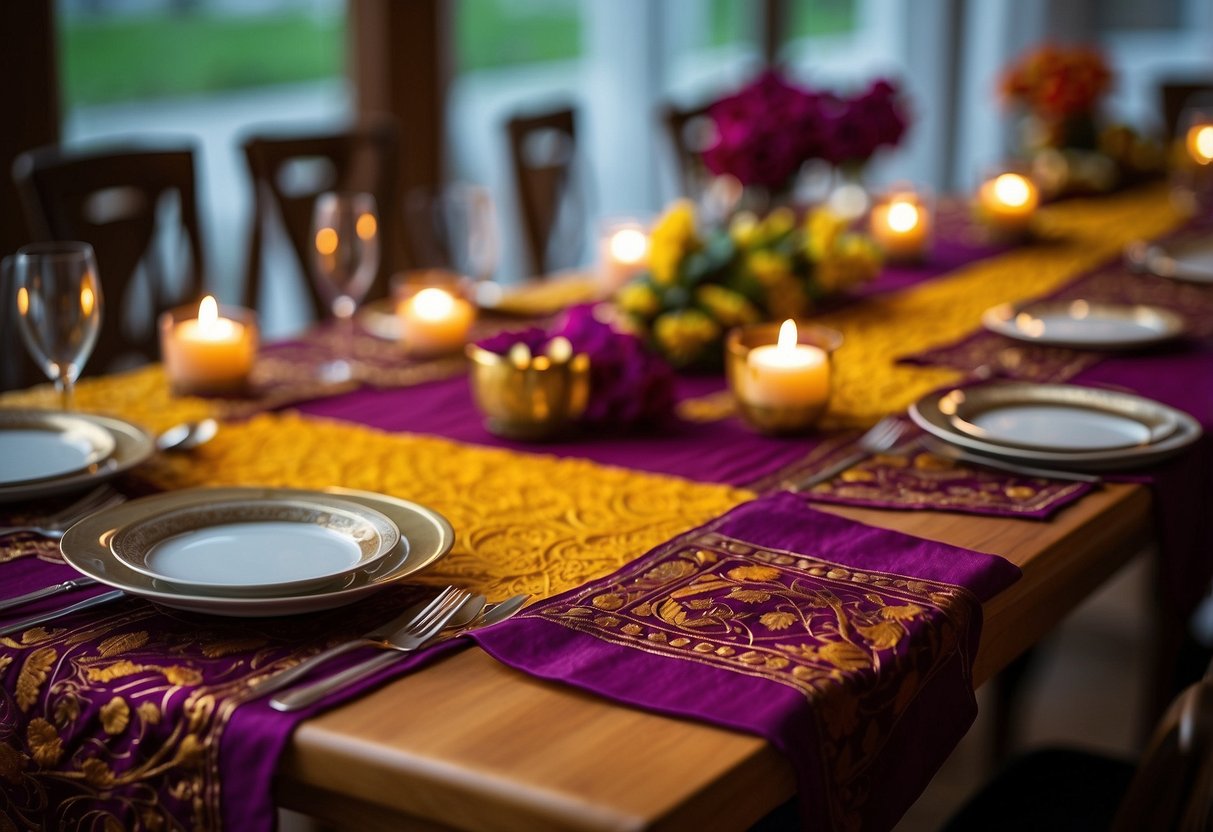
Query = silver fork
x=381 y=635
x=54 y=525
x=883 y=436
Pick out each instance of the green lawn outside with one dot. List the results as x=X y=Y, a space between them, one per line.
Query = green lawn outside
x=149 y=57
x=490 y=34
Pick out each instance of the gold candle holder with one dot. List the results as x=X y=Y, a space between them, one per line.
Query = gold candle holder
x=530 y=397
x=902 y=223
x=1006 y=202
x=781 y=374
x=208 y=350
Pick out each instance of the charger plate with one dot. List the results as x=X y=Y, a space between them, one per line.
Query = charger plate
x=1084 y=324
x=1059 y=425
x=1189 y=259
x=425 y=537
x=41 y=445
x=276 y=546
x=132 y=446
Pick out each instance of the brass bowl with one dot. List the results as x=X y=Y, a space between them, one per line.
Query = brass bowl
x=776 y=419
x=540 y=398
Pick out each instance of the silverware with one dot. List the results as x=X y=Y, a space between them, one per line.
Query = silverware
x=415 y=616
x=982 y=461
x=187 y=435
x=470 y=615
x=56 y=524
x=96 y=601
x=883 y=436
x=46 y=592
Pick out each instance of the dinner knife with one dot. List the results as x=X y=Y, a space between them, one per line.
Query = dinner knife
x=46 y=592
x=34 y=621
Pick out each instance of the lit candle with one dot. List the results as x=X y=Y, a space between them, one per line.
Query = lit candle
x=623 y=254
x=208 y=354
x=787 y=374
x=435 y=321
x=1200 y=143
x=1007 y=202
x=901 y=225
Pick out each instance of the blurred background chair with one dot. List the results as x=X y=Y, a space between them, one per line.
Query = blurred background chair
x=1060 y=789
x=1176 y=95
x=137 y=207
x=688 y=132
x=551 y=199
x=288 y=173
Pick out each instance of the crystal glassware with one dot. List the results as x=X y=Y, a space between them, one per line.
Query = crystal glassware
x=59 y=307
x=345 y=259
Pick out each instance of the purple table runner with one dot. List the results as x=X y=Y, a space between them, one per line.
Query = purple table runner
x=848 y=647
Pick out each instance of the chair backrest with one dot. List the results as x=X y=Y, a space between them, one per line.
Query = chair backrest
x=688 y=131
x=543 y=155
x=288 y=173
x=1173 y=785
x=113 y=198
x=1175 y=95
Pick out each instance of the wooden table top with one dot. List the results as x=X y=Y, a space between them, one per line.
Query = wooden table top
x=471 y=744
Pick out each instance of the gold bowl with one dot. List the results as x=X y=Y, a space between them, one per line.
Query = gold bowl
x=776 y=419
x=530 y=397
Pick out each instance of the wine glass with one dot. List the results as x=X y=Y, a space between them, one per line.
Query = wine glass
x=345 y=259
x=455 y=228
x=58 y=308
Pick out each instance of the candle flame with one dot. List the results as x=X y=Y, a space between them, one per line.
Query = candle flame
x=88 y=298
x=1012 y=189
x=788 y=336
x=208 y=313
x=326 y=240
x=1200 y=143
x=433 y=304
x=366 y=226
x=629 y=245
x=23 y=301
x=903 y=216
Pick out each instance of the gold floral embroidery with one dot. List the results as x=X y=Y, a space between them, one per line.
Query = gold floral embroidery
x=44 y=742
x=33 y=674
x=122 y=643
x=113 y=671
x=115 y=716
x=12 y=762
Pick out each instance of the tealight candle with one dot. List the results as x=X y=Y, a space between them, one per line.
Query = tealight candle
x=787 y=374
x=901 y=225
x=1199 y=142
x=435 y=321
x=210 y=354
x=1007 y=202
x=623 y=254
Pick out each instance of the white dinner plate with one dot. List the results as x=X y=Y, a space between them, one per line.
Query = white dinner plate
x=1084 y=324
x=425 y=537
x=36 y=446
x=1189 y=259
x=256 y=547
x=132 y=446
x=1060 y=425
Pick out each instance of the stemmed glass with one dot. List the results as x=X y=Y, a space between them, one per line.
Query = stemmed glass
x=455 y=228
x=58 y=308
x=345 y=258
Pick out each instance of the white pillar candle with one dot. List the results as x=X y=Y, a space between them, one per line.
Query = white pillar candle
x=787 y=374
x=1007 y=202
x=901 y=225
x=435 y=321
x=209 y=354
x=623 y=253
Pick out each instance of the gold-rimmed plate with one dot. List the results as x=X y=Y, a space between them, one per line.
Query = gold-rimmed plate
x=37 y=446
x=1189 y=259
x=132 y=446
x=1057 y=425
x=256 y=547
x=425 y=537
x=1084 y=324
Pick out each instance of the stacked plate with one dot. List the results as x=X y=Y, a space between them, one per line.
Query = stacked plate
x=1056 y=425
x=1189 y=259
x=1084 y=324
x=48 y=452
x=257 y=552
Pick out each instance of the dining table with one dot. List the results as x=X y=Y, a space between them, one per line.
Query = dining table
x=638 y=689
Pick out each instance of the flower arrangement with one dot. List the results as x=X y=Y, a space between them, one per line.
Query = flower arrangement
x=1060 y=88
x=702 y=283
x=629 y=384
x=767 y=130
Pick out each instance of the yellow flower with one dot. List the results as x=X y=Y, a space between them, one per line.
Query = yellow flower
x=822 y=229
x=743 y=228
x=639 y=299
x=673 y=236
x=684 y=335
x=854 y=259
x=768 y=267
x=727 y=307
x=777 y=223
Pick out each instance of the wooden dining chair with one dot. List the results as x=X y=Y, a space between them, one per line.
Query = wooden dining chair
x=688 y=130
x=1171 y=787
x=550 y=197
x=117 y=199
x=1176 y=95
x=289 y=171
